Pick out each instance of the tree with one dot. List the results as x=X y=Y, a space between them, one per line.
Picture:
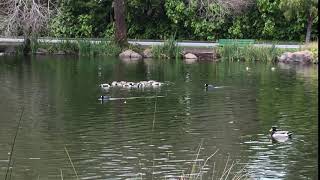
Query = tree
x=120 y=22
x=308 y=8
x=205 y=18
x=25 y=17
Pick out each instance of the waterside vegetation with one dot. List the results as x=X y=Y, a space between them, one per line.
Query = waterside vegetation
x=79 y=47
x=169 y=50
x=250 y=53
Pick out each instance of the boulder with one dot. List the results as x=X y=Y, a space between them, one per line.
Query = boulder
x=190 y=56
x=42 y=51
x=298 y=57
x=147 y=53
x=129 y=54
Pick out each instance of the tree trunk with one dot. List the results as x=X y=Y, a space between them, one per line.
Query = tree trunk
x=121 y=28
x=309 y=27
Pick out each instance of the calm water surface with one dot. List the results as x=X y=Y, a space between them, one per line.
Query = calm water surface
x=156 y=138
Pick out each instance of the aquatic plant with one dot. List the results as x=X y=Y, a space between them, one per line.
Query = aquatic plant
x=103 y=47
x=169 y=49
x=65 y=46
x=81 y=47
x=250 y=53
x=197 y=170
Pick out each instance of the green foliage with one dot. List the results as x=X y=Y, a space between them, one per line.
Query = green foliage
x=79 y=18
x=154 y=19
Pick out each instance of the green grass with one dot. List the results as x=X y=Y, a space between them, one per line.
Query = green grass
x=250 y=53
x=168 y=50
x=80 y=47
x=231 y=170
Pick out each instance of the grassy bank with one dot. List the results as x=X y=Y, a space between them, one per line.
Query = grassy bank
x=79 y=47
x=250 y=53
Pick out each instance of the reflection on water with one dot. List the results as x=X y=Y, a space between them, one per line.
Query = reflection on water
x=157 y=138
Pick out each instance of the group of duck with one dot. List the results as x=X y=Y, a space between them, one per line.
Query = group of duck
x=132 y=85
x=276 y=134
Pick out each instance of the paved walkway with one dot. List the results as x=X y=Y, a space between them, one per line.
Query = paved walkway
x=8 y=41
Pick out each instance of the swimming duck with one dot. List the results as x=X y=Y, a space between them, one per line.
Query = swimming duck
x=279 y=135
x=104 y=98
x=127 y=85
x=105 y=86
x=247 y=68
x=137 y=85
x=273 y=68
x=115 y=83
x=208 y=86
x=156 y=84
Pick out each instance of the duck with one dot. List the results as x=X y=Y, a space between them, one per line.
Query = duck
x=104 y=98
x=137 y=85
x=279 y=135
x=105 y=86
x=156 y=84
x=145 y=84
x=127 y=85
x=115 y=84
x=273 y=68
x=247 y=68
x=209 y=87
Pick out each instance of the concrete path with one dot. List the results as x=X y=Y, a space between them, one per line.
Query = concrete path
x=14 y=41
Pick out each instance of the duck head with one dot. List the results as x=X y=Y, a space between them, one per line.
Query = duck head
x=273 y=129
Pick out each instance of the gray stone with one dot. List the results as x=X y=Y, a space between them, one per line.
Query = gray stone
x=129 y=54
x=298 y=57
x=147 y=53
x=41 y=51
x=190 y=56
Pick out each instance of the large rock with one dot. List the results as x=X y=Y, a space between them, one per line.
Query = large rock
x=147 y=53
x=190 y=56
x=42 y=51
x=298 y=57
x=129 y=54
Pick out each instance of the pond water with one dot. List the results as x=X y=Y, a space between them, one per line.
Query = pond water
x=156 y=138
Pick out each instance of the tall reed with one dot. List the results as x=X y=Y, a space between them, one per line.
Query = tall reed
x=249 y=53
x=103 y=47
x=169 y=49
x=197 y=170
